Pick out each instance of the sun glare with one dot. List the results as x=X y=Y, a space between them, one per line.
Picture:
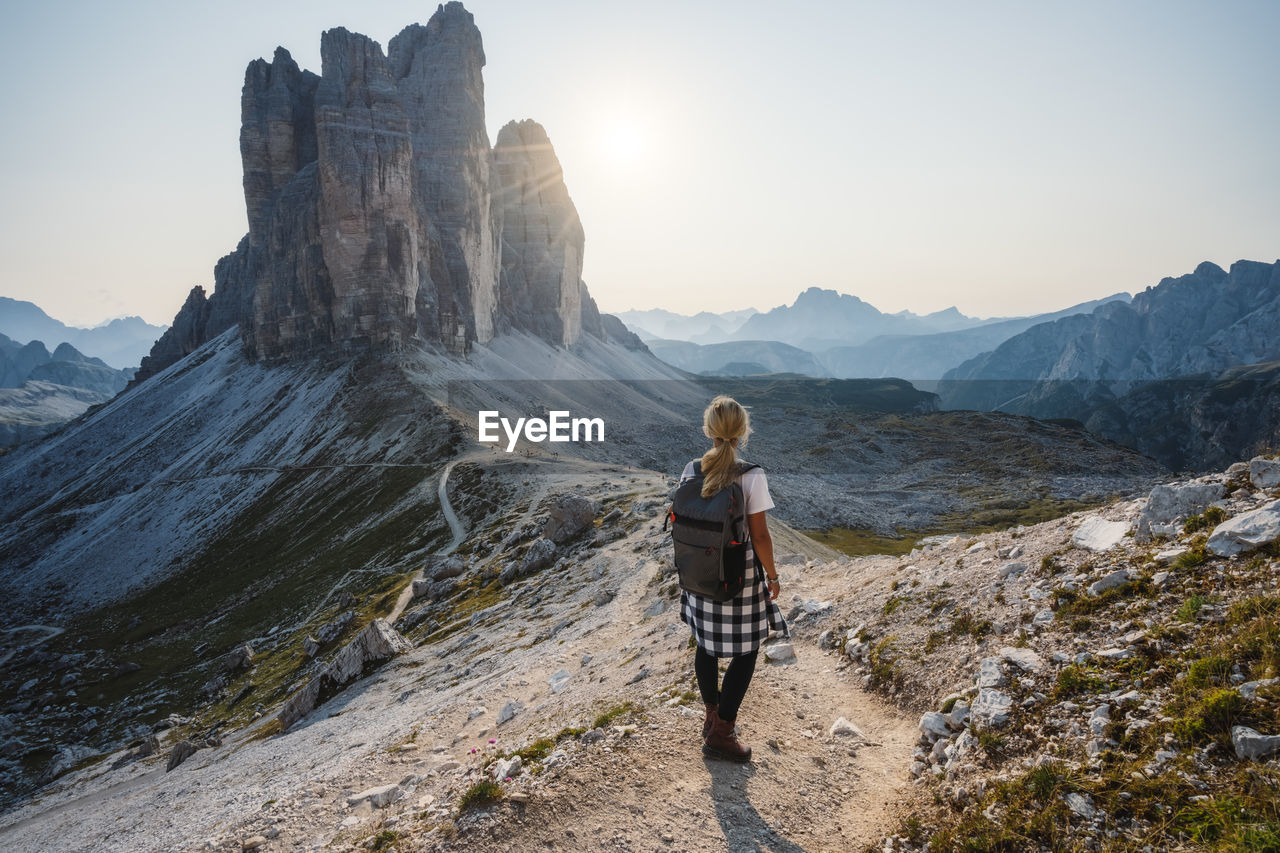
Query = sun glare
x=625 y=141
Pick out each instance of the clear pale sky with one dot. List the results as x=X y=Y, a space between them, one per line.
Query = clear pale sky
x=1004 y=157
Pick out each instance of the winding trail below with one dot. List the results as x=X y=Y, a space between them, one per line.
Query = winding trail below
x=52 y=630
x=455 y=526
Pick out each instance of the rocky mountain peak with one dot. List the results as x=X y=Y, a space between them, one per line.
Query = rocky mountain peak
x=379 y=214
x=542 y=236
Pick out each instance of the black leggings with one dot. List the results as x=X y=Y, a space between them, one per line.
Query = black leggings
x=736 y=679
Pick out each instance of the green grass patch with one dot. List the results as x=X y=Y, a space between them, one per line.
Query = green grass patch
x=482 y=793
x=535 y=751
x=383 y=840
x=1075 y=680
x=966 y=623
x=1210 y=518
x=1188 y=610
x=606 y=718
x=862 y=543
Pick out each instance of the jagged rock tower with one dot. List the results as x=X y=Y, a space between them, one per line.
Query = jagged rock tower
x=379 y=214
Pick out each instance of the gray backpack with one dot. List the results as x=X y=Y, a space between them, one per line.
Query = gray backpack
x=710 y=536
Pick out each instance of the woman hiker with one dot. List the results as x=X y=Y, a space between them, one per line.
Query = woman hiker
x=734 y=628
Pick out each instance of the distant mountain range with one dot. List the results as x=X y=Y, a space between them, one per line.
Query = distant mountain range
x=820 y=319
x=120 y=343
x=1151 y=373
x=703 y=327
x=928 y=357
x=829 y=334
x=40 y=391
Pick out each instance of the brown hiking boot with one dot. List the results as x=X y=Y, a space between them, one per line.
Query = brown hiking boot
x=722 y=744
x=712 y=716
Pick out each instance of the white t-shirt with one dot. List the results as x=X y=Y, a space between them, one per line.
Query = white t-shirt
x=755 y=488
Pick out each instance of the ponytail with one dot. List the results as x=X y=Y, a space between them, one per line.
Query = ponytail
x=728 y=424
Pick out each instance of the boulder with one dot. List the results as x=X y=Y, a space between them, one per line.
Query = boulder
x=990 y=673
x=1170 y=501
x=958 y=715
x=1098 y=534
x=780 y=652
x=238 y=659
x=1081 y=804
x=506 y=768
x=181 y=751
x=570 y=515
x=1246 y=531
x=66 y=758
x=1249 y=690
x=1099 y=719
x=541 y=554
x=331 y=629
x=1109 y=581
x=991 y=707
x=559 y=680
x=933 y=725
x=1024 y=659
x=1264 y=473
x=509 y=711
x=439 y=568
x=1250 y=744
x=843 y=728
x=1012 y=569
x=377 y=642
x=379 y=797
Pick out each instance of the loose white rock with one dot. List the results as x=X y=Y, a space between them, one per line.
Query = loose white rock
x=1025 y=659
x=506 y=768
x=780 y=652
x=1251 y=744
x=1012 y=569
x=990 y=673
x=1098 y=534
x=1109 y=581
x=1246 y=531
x=991 y=707
x=934 y=725
x=509 y=711
x=845 y=728
x=559 y=680
x=379 y=797
x=1264 y=473
x=1081 y=804
x=1249 y=690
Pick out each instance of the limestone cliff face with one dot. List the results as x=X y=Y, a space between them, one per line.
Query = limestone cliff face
x=542 y=237
x=378 y=213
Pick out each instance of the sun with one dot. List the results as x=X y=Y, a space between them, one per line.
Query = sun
x=625 y=141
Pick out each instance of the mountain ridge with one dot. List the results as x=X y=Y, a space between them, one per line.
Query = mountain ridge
x=121 y=342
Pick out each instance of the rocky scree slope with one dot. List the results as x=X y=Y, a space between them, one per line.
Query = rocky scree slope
x=550 y=634
x=224 y=500
x=1106 y=681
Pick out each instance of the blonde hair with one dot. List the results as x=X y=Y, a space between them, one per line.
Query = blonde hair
x=727 y=423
